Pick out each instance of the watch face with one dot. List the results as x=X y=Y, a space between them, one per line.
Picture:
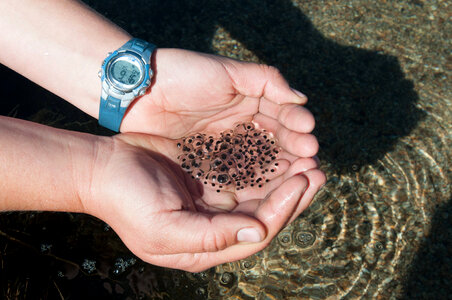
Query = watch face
x=125 y=72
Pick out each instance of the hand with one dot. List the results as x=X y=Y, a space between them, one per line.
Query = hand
x=196 y=92
x=168 y=219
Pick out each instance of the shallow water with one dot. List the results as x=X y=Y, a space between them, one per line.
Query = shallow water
x=378 y=79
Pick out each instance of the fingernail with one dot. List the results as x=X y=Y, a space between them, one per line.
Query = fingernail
x=316 y=158
x=300 y=94
x=249 y=234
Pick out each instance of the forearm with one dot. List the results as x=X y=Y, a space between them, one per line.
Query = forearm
x=58 y=44
x=43 y=168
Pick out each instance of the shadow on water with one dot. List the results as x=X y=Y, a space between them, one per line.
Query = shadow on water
x=360 y=98
x=431 y=270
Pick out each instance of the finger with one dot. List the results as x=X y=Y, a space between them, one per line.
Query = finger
x=301 y=165
x=316 y=180
x=274 y=212
x=293 y=116
x=287 y=156
x=258 y=81
x=297 y=118
x=214 y=201
x=187 y=232
x=197 y=262
x=298 y=144
x=277 y=208
x=269 y=108
x=263 y=177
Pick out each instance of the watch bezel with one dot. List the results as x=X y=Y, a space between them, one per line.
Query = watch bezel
x=132 y=58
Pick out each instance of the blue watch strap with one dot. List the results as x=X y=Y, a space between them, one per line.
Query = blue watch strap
x=111 y=113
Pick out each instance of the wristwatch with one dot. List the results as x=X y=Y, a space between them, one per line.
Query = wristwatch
x=125 y=75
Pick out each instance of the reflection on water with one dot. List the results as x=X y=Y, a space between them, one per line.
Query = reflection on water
x=357 y=238
x=384 y=123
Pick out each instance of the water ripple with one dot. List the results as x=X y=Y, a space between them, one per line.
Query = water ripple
x=359 y=235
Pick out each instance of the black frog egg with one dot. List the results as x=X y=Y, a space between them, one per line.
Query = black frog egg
x=199 y=152
x=233 y=173
x=188 y=140
x=223 y=178
x=240 y=129
x=187 y=166
x=216 y=163
x=186 y=147
x=211 y=177
x=191 y=155
x=222 y=146
x=249 y=126
x=204 y=165
x=197 y=141
x=224 y=155
x=195 y=163
x=238 y=157
x=197 y=173
x=260 y=140
x=237 y=140
x=207 y=147
x=229 y=161
x=223 y=168
x=227 y=135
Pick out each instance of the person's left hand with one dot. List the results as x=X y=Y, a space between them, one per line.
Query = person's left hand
x=198 y=92
x=168 y=219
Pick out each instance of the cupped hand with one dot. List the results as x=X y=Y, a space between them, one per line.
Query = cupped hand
x=197 y=92
x=169 y=219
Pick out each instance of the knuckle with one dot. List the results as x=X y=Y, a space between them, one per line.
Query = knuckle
x=270 y=70
x=214 y=241
x=287 y=111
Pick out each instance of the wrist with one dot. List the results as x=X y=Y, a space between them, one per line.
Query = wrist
x=125 y=75
x=69 y=44
x=93 y=155
x=43 y=168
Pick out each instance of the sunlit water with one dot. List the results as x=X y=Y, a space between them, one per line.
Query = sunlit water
x=368 y=68
x=357 y=237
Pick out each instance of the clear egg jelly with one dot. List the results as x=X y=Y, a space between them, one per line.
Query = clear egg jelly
x=235 y=159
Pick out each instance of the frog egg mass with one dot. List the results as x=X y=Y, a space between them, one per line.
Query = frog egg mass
x=235 y=159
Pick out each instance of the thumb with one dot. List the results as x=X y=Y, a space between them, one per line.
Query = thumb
x=258 y=80
x=192 y=232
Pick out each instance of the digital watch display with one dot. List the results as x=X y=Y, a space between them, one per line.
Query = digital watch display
x=125 y=72
x=125 y=75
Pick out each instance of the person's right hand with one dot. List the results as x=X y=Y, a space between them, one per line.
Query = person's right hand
x=168 y=219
